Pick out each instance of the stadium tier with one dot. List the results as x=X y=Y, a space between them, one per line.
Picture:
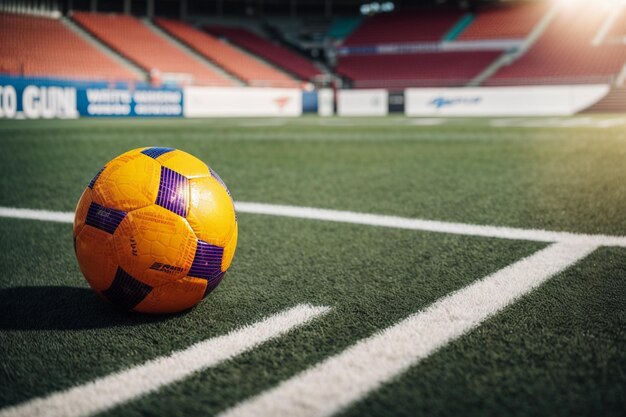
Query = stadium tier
x=44 y=47
x=272 y=52
x=152 y=52
x=566 y=53
x=618 y=29
x=507 y=22
x=249 y=69
x=404 y=27
x=423 y=69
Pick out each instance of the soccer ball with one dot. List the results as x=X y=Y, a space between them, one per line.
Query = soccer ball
x=155 y=230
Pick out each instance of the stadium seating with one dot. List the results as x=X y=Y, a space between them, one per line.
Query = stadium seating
x=134 y=40
x=618 y=29
x=505 y=22
x=274 y=53
x=564 y=54
x=343 y=26
x=415 y=70
x=39 y=46
x=250 y=70
x=404 y=27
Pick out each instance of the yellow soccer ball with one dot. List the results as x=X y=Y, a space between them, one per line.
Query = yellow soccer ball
x=155 y=230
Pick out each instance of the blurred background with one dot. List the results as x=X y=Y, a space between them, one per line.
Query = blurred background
x=374 y=51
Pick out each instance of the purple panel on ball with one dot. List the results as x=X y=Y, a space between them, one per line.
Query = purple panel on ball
x=213 y=283
x=173 y=192
x=93 y=180
x=104 y=218
x=155 y=152
x=207 y=263
x=126 y=291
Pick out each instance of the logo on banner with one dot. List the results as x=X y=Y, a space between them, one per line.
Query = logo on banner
x=49 y=102
x=441 y=101
x=281 y=102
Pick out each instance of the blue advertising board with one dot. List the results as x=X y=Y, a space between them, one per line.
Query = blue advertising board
x=33 y=98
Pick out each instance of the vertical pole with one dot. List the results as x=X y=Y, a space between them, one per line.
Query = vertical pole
x=93 y=5
x=127 y=7
x=150 y=9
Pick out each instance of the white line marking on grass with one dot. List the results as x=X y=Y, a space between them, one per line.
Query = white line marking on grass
x=428 y=225
x=337 y=382
x=372 y=220
x=605 y=124
x=28 y=214
x=559 y=122
x=426 y=121
x=109 y=391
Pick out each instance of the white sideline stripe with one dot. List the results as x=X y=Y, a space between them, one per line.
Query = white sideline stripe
x=335 y=383
x=428 y=225
x=29 y=214
x=371 y=220
x=107 y=392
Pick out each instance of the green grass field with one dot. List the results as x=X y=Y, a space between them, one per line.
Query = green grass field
x=560 y=349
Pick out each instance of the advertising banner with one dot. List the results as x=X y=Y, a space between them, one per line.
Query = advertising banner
x=140 y=102
x=362 y=102
x=242 y=102
x=34 y=98
x=325 y=102
x=562 y=100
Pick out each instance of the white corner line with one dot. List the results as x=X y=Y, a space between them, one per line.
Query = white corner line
x=379 y=220
x=332 y=385
x=120 y=387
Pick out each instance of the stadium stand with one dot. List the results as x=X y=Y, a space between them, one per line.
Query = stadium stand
x=404 y=27
x=564 y=54
x=248 y=69
x=44 y=47
x=618 y=29
x=274 y=53
x=135 y=41
x=341 y=27
x=504 y=22
x=614 y=102
x=414 y=70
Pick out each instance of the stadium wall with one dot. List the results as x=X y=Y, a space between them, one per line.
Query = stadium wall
x=29 y=98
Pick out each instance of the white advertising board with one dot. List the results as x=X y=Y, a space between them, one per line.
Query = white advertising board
x=362 y=102
x=325 y=102
x=241 y=102
x=563 y=100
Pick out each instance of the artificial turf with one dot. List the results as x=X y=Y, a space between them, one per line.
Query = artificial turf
x=557 y=351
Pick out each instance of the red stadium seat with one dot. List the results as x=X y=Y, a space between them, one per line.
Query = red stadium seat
x=404 y=27
x=618 y=29
x=134 y=40
x=505 y=22
x=415 y=70
x=274 y=53
x=564 y=54
x=252 y=71
x=38 y=46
